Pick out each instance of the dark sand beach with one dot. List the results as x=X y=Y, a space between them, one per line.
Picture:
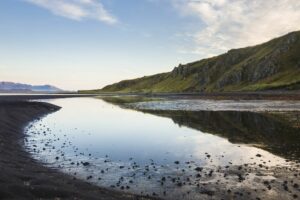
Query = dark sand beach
x=21 y=176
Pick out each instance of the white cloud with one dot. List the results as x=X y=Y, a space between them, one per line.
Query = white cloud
x=77 y=9
x=238 y=23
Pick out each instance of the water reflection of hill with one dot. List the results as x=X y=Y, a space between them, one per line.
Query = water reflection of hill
x=277 y=133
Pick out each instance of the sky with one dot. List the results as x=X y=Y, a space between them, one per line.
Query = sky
x=87 y=44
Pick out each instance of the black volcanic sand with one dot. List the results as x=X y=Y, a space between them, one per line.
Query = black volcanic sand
x=22 y=177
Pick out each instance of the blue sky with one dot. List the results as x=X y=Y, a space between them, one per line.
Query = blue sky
x=85 y=44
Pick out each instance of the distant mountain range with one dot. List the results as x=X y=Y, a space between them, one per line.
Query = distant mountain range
x=20 y=87
x=274 y=65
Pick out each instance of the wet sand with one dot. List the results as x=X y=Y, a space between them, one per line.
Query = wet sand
x=22 y=177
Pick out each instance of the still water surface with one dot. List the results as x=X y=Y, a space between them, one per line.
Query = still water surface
x=131 y=150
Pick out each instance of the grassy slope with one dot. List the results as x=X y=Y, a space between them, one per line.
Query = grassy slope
x=272 y=65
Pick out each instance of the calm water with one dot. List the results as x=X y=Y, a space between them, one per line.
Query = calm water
x=126 y=149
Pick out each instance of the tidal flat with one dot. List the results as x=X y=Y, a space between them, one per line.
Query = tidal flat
x=171 y=152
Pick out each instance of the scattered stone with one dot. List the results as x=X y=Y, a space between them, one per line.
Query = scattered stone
x=198 y=169
x=85 y=163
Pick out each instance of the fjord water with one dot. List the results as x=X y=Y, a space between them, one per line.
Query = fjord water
x=136 y=151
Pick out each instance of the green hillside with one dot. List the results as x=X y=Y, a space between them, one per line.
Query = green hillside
x=272 y=65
